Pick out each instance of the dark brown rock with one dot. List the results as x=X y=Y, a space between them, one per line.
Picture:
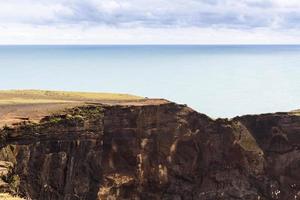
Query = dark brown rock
x=164 y=151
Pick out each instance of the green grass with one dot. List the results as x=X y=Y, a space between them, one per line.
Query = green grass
x=44 y=96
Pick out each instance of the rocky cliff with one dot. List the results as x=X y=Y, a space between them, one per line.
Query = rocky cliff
x=152 y=151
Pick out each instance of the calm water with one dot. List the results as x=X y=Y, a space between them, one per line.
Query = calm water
x=221 y=81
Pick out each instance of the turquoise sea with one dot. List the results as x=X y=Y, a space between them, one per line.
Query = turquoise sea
x=219 y=80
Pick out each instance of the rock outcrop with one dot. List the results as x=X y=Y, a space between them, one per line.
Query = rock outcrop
x=161 y=151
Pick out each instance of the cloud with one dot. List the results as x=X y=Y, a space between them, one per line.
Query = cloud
x=154 y=13
x=274 y=16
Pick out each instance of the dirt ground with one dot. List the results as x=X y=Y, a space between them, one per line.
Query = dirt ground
x=10 y=114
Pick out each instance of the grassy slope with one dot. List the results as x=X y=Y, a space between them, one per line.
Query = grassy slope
x=42 y=96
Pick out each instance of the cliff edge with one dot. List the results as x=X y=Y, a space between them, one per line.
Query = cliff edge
x=151 y=149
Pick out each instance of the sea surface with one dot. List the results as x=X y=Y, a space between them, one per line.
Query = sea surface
x=218 y=80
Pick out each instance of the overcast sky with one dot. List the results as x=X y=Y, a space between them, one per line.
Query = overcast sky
x=149 y=21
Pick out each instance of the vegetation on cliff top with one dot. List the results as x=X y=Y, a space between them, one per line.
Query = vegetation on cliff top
x=43 y=96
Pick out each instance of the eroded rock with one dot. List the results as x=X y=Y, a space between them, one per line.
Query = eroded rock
x=164 y=151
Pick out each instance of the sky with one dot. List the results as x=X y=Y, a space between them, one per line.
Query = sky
x=149 y=22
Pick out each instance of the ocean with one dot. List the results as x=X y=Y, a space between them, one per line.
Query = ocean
x=218 y=80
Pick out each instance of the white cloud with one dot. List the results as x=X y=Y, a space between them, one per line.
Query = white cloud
x=287 y=3
x=149 y=21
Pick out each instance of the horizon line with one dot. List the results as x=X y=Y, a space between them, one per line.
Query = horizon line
x=87 y=44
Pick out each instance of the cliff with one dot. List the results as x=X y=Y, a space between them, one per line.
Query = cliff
x=154 y=150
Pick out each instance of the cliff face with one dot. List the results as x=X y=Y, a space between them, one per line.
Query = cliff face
x=165 y=151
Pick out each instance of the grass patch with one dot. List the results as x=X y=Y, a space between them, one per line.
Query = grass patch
x=44 y=96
